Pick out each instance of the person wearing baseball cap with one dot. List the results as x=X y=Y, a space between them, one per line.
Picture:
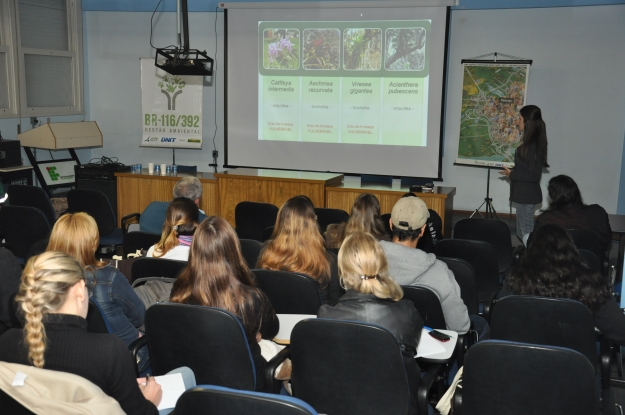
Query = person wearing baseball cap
x=411 y=266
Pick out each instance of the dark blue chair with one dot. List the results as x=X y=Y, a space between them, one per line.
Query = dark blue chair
x=96 y=204
x=210 y=399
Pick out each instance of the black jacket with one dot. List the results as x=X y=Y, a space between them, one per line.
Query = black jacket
x=101 y=358
x=525 y=178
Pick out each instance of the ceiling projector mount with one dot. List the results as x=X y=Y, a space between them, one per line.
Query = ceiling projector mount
x=182 y=60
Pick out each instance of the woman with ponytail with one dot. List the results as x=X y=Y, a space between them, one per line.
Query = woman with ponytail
x=54 y=300
x=180 y=223
x=374 y=297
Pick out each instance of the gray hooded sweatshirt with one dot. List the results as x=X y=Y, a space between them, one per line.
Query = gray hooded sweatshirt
x=410 y=266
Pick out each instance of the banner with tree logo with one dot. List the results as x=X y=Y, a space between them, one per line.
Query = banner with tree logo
x=172 y=108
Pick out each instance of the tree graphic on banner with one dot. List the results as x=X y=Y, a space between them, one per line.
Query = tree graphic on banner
x=171 y=87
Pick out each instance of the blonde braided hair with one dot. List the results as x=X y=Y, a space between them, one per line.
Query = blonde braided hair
x=46 y=280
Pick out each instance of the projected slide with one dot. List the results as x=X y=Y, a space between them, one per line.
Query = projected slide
x=344 y=82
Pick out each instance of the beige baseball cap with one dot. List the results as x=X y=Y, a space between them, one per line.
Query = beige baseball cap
x=410 y=213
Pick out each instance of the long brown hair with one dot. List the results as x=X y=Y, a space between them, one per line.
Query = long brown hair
x=534 y=132
x=181 y=219
x=296 y=244
x=46 y=281
x=365 y=216
x=76 y=234
x=216 y=274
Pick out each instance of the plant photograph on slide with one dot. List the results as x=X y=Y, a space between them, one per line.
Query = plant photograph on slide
x=405 y=49
x=321 y=49
x=362 y=49
x=281 y=49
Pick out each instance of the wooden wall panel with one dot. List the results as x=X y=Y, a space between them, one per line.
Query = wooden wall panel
x=233 y=190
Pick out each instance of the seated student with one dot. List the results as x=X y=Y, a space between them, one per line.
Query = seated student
x=373 y=297
x=553 y=267
x=76 y=234
x=411 y=266
x=297 y=246
x=365 y=216
x=567 y=210
x=180 y=223
x=191 y=188
x=217 y=276
x=54 y=299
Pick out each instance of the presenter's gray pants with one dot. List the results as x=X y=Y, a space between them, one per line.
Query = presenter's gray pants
x=524 y=219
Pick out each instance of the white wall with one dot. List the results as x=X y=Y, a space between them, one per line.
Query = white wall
x=576 y=78
x=115 y=43
x=577 y=81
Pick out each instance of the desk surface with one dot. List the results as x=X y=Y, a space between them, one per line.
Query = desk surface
x=16 y=168
x=330 y=179
x=617 y=223
x=426 y=350
x=204 y=177
x=439 y=191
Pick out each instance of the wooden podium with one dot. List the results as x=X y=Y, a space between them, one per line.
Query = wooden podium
x=270 y=186
x=223 y=191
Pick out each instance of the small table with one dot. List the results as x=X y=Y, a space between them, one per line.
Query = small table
x=287 y=322
x=426 y=351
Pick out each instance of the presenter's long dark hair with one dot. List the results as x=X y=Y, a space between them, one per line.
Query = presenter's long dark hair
x=534 y=132
x=553 y=267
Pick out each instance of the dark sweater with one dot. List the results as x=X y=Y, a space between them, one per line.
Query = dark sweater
x=101 y=358
x=592 y=218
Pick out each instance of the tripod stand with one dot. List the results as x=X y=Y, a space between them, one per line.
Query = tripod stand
x=488 y=201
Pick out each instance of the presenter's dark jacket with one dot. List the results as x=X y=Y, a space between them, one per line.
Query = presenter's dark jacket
x=592 y=218
x=400 y=318
x=101 y=358
x=525 y=178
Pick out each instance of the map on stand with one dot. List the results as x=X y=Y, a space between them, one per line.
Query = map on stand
x=492 y=95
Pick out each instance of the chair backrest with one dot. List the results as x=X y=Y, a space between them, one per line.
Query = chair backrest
x=96 y=321
x=252 y=218
x=517 y=379
x=210 y=399
x=495 y=232
x=289 y=292
x=33 y=196
x=96 y=204
x=250 y=249
x=482 y=257
x=585 y=239
x=22 y=227
x=591 y=260
x=465 y=277
x=267 y=233
x=327 y=216
x=208 y=340
x=547 y=321
x=138 y=240
x=186 y=169
x=376 y=179
x=427 y=304
x=346 y=367
x=15 y=313
x=153 y=217
x=156 y=267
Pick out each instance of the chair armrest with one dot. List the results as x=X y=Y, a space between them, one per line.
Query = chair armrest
x=126 y=218
x=606 y=354
x=517 y=254
x=272 y=365
x=134 y=350
x=425 y=384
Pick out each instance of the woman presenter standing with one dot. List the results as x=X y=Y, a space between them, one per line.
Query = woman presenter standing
x=529 y=160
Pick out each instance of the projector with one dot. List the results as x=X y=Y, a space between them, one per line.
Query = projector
x=180 y=61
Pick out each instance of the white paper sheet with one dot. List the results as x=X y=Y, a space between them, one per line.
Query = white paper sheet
x=172 y=387
x=429 y=345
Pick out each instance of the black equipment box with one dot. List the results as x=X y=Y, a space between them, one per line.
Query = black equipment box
x=10 y=153
x=99 y=172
